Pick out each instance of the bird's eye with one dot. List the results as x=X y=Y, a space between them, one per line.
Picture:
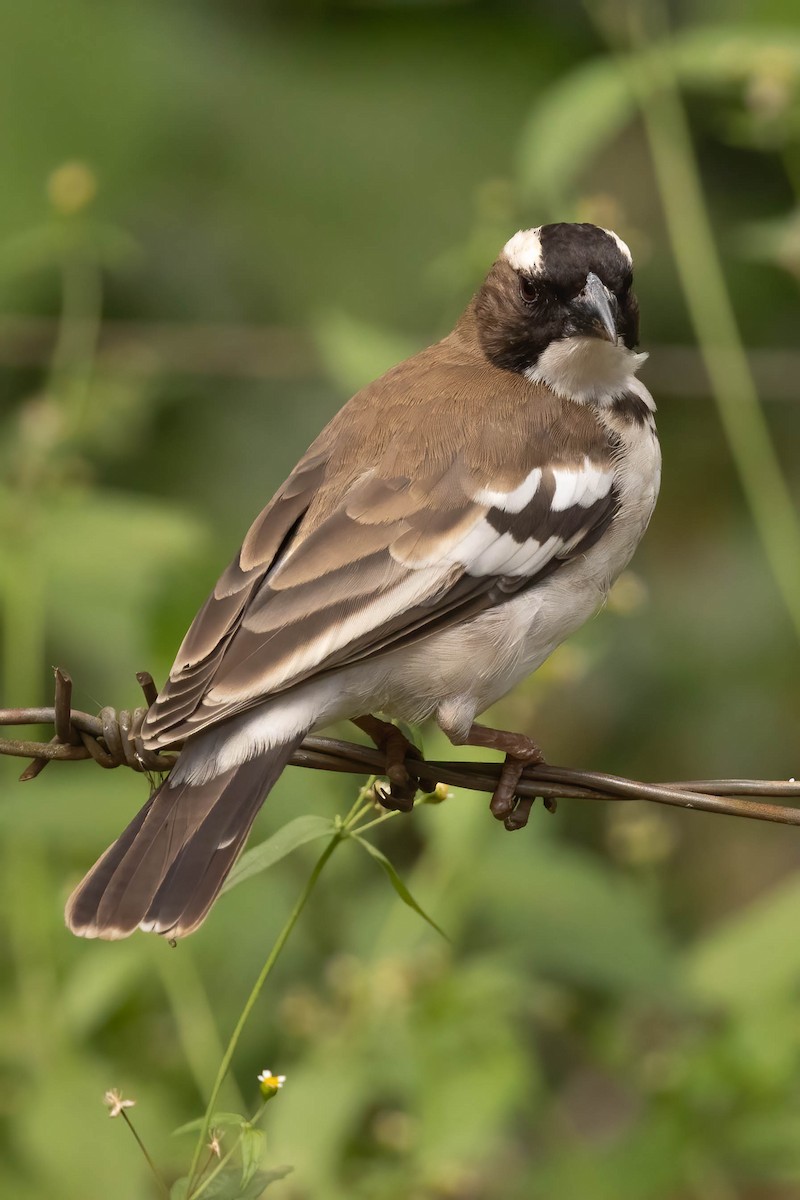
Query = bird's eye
x=528 y=289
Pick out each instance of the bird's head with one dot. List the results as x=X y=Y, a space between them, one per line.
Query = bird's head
x=558 y=306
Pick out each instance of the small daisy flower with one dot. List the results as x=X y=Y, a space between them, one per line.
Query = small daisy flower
x=270 y=1083
x=115 y=1103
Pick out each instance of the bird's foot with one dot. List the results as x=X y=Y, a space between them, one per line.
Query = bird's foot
x=521 y=752
x=394 y=744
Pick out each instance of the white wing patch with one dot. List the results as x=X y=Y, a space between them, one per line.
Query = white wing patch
x=514 y=501
x=485 y=551
x=495 y=558
x=506 y=556
x=582 y=485
x=541 y=553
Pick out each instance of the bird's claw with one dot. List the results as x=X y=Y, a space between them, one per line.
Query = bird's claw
x=400 y=794
x=506 y=805
x=395 y=797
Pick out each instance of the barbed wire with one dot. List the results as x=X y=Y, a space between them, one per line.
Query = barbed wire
x=113 y=739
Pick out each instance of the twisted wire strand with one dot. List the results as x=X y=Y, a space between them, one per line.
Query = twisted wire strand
x=113 y=739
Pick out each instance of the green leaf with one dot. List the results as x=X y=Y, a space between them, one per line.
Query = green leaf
x=751 y=960
x=397 y=883
x=96 y=987
x=220 y=1119
x=287 y=839
x=228 y=1185
x=179 y=1189
x=252 y=1147
x=719 y=55
x=579 y=116
x=96 y=599
x=572 y=123
x=595 y=925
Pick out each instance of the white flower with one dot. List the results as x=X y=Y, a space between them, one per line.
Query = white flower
x=270 y=1083
x=113 y=1099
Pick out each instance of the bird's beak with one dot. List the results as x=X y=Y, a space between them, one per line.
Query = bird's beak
x=594 y=309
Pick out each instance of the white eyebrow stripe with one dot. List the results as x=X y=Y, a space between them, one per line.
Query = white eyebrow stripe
x=623 y=246
x=514 y=501
x=524 y=251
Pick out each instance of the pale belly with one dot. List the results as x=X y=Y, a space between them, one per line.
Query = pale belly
x=459 y=673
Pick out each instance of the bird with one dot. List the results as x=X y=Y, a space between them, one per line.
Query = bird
x=453 y=523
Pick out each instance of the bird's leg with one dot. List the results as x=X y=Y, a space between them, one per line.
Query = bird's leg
x=396 y=746
x=521 y=752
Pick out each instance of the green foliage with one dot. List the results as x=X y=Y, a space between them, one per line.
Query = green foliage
x=231 y=1185
x=573 y=122
x=396 y=882
x=220 y=1119
x=615 y=1015
x=297 y=833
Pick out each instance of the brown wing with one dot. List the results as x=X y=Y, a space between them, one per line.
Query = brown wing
x=383 y=532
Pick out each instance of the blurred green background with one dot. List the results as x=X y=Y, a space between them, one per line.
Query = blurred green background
x=216 y=221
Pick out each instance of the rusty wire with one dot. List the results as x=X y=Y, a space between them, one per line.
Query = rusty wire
x=113 y=739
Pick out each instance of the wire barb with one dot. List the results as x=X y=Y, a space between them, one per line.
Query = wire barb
x=114 y=739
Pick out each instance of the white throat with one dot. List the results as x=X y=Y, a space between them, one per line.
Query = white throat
x=587 y=369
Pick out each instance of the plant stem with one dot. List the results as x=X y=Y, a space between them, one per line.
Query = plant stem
x=194 y=1019
x=143 y=1149
x=79 y=326
x=272 y=958
x=361 y=804
x=711 y=311
x=203 y=1183
x=387 y=816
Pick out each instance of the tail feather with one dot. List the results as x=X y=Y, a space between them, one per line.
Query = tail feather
x=200 y=866
x=82 y=906
x=165 y=871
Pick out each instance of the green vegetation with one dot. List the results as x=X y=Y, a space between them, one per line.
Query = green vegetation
x=216 y=221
